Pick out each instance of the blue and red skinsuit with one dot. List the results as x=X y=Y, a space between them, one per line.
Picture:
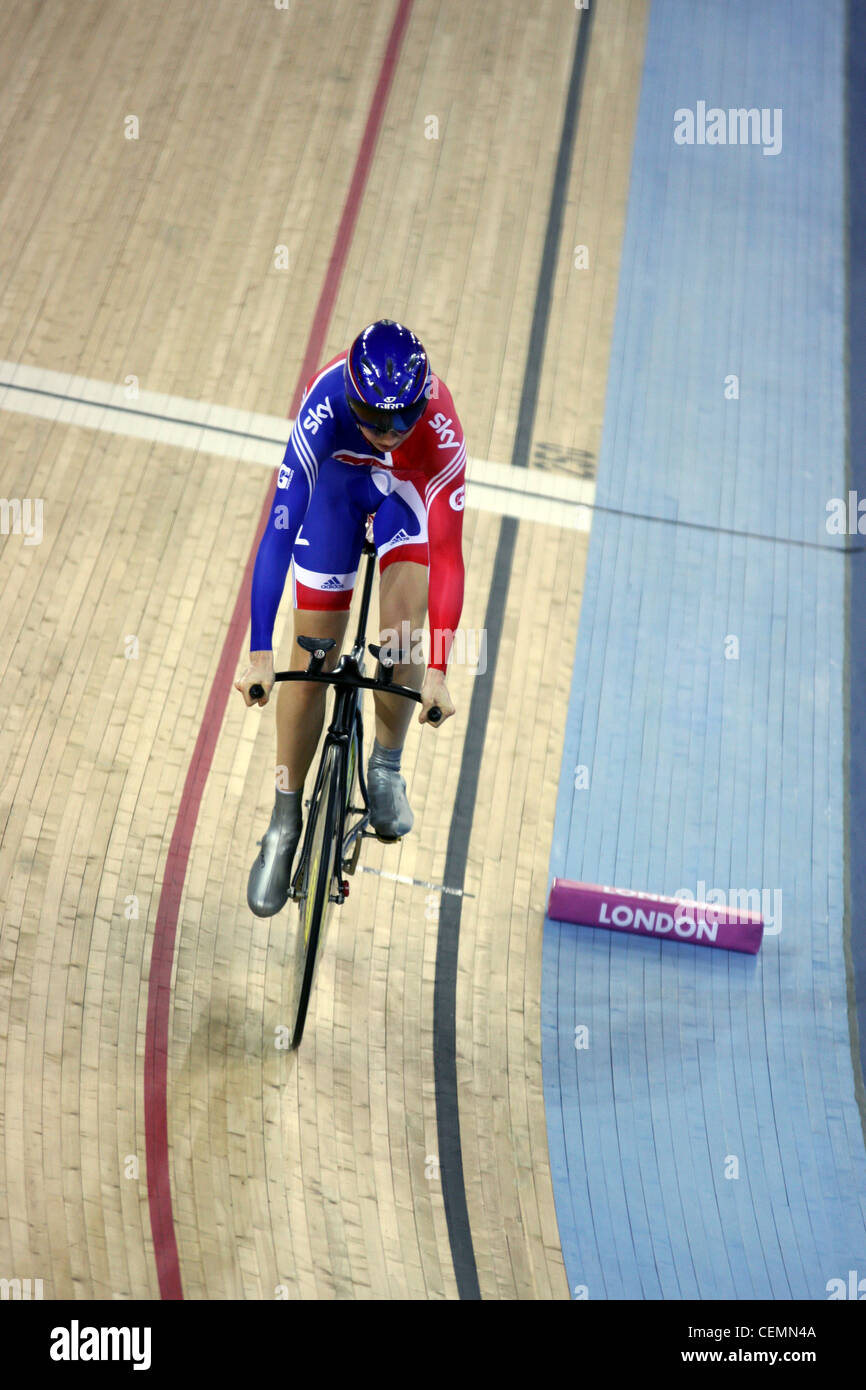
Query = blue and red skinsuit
x=332 y=479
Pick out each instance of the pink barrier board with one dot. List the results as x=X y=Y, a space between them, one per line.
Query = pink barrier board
x=647 y=914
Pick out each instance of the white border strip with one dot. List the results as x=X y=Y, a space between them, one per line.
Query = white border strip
x=529 y=494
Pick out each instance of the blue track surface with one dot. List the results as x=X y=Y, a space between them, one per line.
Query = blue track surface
x=700 y=1063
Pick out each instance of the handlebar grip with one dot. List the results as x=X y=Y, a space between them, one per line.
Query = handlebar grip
x=256 y=692
x=435 y=715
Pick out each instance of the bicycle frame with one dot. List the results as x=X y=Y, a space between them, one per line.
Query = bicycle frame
x=348 y=680
x=347 y=716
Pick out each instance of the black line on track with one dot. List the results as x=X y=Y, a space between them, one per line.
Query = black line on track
x=795 y=541
x=142 y=414
x=445 y=987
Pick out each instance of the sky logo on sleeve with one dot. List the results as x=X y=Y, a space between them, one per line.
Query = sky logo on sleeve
x=317 y=415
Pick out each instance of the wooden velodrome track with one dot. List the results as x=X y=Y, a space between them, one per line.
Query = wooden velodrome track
x=216 y=1164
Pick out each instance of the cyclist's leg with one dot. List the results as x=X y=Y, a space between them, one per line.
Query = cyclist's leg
x=301 y=704
x=329 y=545
x=402 y=611
x=400 y=532
x=300 y=712
x=324 y=565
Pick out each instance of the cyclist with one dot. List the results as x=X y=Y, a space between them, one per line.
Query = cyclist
x=376 y=435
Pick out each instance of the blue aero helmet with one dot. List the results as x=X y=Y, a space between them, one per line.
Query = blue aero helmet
x=386 y=377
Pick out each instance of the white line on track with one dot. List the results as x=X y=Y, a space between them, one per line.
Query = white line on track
x=417 y=882
x=246 y=435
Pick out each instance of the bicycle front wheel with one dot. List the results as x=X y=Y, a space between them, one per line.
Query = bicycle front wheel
x=318 y=884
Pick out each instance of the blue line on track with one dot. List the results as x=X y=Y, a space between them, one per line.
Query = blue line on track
x=856 y=214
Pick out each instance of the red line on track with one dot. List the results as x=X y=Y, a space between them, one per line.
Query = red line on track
x=174 y=876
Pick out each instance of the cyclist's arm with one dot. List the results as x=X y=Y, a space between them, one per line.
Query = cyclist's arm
x=445 y=499
x=297 y=478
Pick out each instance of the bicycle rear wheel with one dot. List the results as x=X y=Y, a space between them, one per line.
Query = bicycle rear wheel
x=317 y=885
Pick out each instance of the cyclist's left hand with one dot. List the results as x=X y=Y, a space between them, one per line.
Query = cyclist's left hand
x=434 y=691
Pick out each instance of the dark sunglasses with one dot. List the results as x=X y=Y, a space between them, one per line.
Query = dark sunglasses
x=387 y=421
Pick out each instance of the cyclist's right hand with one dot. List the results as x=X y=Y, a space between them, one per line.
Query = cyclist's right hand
x=259 y=672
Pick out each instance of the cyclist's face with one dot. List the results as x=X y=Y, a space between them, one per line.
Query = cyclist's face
x=385 y=442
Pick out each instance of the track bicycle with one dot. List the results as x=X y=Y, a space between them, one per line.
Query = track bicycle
x=336 y=827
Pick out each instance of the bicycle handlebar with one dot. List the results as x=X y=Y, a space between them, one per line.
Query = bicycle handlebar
x=363 y=682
